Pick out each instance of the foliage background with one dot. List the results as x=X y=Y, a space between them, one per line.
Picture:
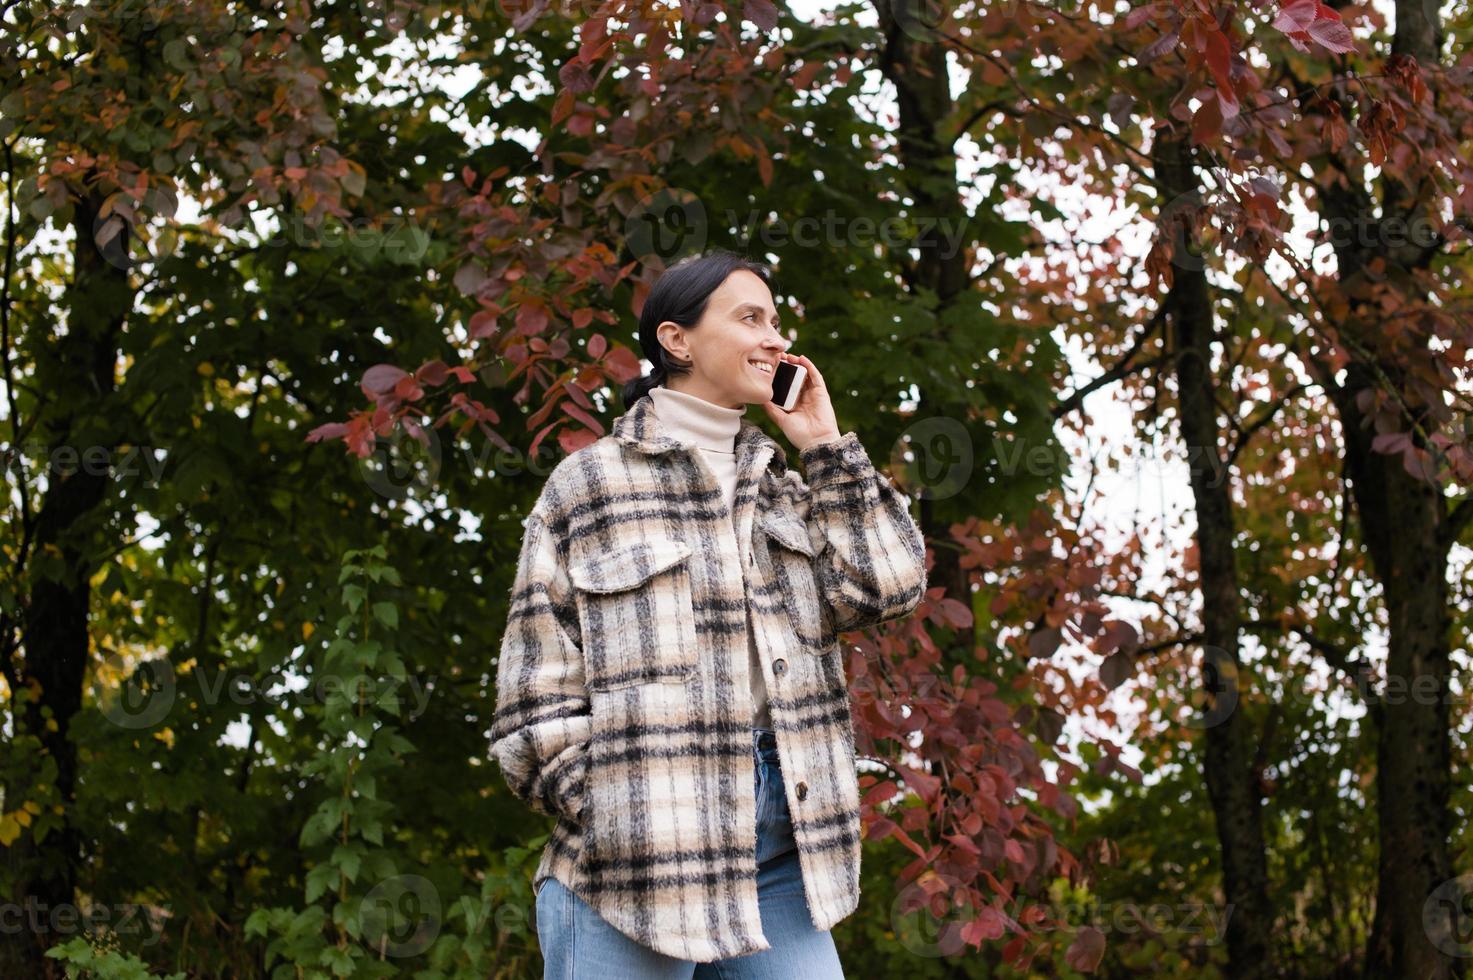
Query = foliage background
x=247 y=663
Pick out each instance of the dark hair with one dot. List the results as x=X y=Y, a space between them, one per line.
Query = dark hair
x=680 y=295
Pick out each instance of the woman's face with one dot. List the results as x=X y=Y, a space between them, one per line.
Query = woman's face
x=738 y=328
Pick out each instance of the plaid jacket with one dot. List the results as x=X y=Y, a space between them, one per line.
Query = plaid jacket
x=623 y=706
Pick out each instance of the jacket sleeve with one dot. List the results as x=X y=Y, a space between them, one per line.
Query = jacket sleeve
x=871 y=555
x=542 y=724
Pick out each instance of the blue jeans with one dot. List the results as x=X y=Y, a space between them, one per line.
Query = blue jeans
x=577 y=943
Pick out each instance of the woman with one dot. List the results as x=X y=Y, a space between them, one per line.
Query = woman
x=673 y=639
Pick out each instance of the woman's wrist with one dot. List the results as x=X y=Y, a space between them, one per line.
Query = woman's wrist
x=826 y=437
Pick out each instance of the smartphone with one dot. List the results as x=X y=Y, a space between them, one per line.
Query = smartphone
x=787 y=384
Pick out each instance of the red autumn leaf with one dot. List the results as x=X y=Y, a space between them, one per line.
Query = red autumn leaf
x=581 y=124
x=328 y=430
x=589 y=378
x=806 y=73
x=469 y=278
x=1207 y=121
x=1158 y=47
x=1116 y=669
x=1391 y=442
x=1418 y=463
x=407 y=389
x=622 y=364
x=925 y=785
x=592 y=423
x=531 y=318
x=483 y=324
x=906 y=840
x=579 y=397
x=1140 y=15
x=988 y=925
x=760 y=12
x=1296 y=16
x=1014 y=949
x=1087 y=949
x=381 y=379
x=764 y=165
x=575 y=76
x=571 y=440
x=432 y=372
x=1332 y=34
x=543 y=433
x=1042 y=643
x=1014 y=852
x=1220 y=59
x=562 y=106
x=964 y=842
x=956 y=613
x=880 y=793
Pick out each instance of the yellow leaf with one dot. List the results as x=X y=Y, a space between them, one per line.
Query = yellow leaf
x=307 y=629
x=22 y=817
x=206 y=368
x=32 y=806
x=51 y=724
x=9 y=830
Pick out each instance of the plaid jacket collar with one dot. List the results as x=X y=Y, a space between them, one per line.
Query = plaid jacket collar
x=640 y=429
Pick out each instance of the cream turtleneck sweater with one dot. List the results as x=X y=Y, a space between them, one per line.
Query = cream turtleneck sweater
x=712 y=429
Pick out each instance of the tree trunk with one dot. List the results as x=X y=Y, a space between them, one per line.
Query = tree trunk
x=1402 y=520
x=918 y=70
x=1405 y=526
x=1229 y=740
x=76 y=376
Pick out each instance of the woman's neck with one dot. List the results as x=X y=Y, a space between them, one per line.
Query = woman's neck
x=692 y=419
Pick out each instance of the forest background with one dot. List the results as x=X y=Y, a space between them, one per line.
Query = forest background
x=1159 y=312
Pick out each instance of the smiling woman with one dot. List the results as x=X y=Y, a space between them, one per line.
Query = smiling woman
x=673 y=639
x=712 y=331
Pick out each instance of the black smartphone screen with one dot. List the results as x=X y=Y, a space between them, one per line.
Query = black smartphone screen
x=782 y=381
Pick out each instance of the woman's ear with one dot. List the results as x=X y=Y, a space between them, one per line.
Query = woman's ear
x=672 y=337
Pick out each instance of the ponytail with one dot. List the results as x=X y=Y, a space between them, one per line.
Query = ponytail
x=640 y=386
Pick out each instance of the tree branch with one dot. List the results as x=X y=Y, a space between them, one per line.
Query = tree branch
x=1121 y=370
x=1247 y=432
x=1457 y=519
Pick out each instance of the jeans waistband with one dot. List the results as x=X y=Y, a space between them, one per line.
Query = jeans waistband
x=764 y=744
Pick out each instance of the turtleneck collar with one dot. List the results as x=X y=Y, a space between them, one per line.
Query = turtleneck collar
x=692 y=419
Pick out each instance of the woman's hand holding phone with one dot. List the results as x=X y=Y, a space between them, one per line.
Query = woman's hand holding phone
x=812 y=418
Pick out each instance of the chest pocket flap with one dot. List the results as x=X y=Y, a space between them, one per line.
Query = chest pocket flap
x=787 y=529
x=636 y=610
x=625 y=567
x=789 y=568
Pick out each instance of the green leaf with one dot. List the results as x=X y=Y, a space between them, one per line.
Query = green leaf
x=353 y=596
x=386 y=613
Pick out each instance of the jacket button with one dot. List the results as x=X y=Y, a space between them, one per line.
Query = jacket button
x=779 y=666
x=802 y=789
